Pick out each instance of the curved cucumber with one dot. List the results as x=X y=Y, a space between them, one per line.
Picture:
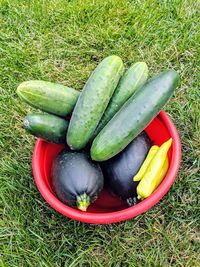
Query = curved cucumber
x=93 y=101
x=50 y=97
x=132 y=80
x=134 y=116
x=48 y=127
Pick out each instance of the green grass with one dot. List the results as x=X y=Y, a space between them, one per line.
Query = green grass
x=63 y=41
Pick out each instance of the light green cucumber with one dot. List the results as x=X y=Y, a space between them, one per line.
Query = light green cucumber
x=93 y=101
x=47 y=96
x=131 y=81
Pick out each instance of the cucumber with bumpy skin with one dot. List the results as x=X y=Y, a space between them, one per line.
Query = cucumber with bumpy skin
x=131 y=81
x=51 y=97
x=93 y=101
x=47 y=126
x=134 y=115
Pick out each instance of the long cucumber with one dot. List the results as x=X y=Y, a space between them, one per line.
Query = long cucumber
x=93 y=101
x=134 y=115
x=131 y=81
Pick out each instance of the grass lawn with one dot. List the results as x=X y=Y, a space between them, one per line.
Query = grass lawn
x=62 y=41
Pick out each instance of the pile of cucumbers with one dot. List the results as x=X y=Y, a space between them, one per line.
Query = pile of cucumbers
x=111 y=111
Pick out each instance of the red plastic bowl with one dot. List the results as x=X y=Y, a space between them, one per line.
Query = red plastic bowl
x=108 y=209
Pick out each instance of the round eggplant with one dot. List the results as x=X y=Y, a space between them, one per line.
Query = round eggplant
x=76 y=179
x=120 y=170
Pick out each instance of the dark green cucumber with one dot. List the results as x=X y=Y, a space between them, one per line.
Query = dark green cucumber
x=47 y=126
x=134 y=115
x=132 y=80
x=50 y=97
x=93 y=101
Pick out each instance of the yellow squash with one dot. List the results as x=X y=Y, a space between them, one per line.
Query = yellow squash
x=146 y=163
x=155 y=171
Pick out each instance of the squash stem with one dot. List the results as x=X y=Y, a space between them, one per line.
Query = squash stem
x=82 y=202
x=132 y=201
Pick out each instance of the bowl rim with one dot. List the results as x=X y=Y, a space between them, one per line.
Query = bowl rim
x=115 y=216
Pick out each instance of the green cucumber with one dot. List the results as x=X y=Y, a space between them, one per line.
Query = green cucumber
x=134 y=115
x=47 y=126
x=132 y=80
x=47 y=96
x=93 y=101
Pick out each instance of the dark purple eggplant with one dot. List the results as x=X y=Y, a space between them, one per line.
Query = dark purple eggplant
x=120 y=170
x=76 y=179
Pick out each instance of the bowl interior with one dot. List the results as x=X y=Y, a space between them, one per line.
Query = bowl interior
x=157 y=132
